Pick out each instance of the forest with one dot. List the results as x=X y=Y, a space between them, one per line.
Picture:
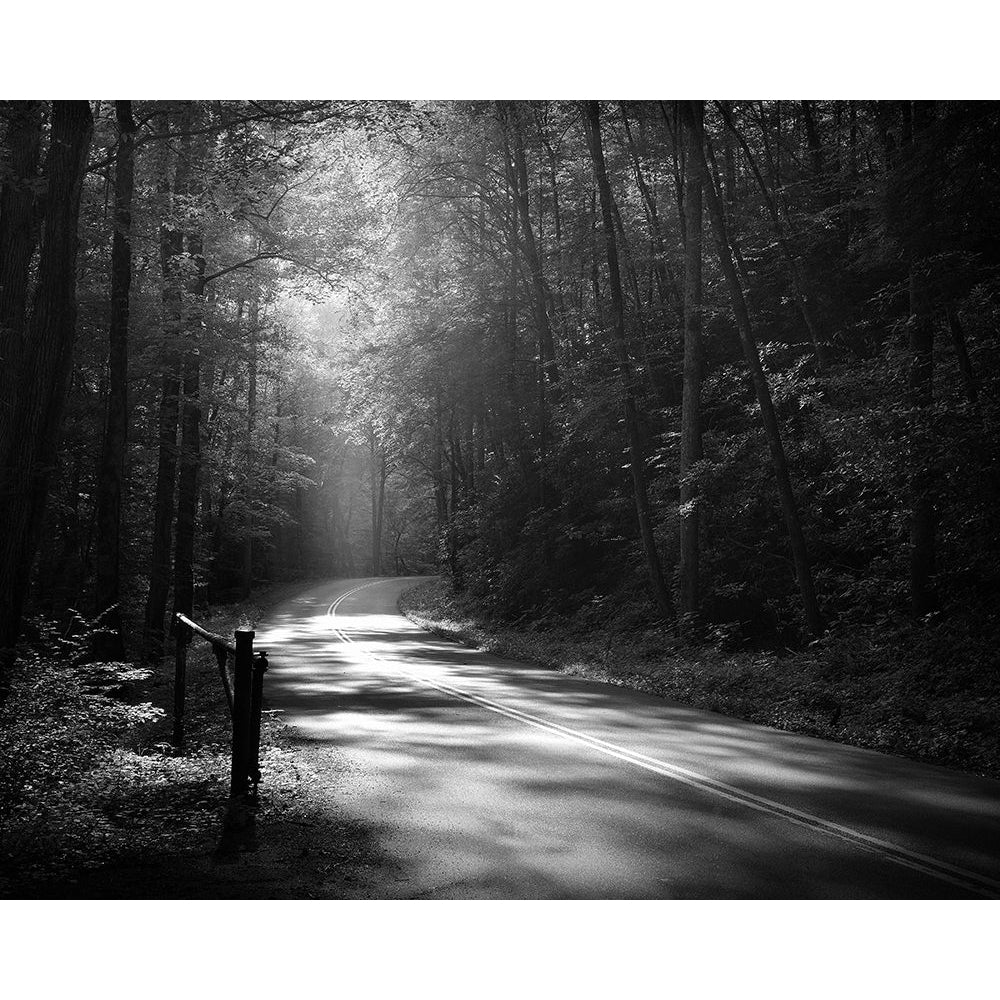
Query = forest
x=722 y=372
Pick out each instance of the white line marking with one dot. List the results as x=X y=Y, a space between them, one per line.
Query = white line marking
x=961 y=877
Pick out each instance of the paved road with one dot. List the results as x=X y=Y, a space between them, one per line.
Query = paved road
x=482 y=777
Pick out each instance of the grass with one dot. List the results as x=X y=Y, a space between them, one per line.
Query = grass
x=922 y=692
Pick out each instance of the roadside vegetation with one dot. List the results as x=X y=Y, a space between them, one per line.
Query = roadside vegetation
x=925 y=693
x=95 y=802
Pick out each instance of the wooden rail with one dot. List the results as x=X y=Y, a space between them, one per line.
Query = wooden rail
x=215 y=640
x=245 y=696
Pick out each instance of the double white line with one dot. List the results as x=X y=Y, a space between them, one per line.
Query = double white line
x=968 y=880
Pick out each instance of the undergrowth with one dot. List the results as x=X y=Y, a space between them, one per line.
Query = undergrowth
x=88 y=778
x=917 y=690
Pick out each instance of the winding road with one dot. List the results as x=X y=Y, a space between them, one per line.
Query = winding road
x=479 y=777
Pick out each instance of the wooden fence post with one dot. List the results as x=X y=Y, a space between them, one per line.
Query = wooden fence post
x=256 y=705
x=238 y=828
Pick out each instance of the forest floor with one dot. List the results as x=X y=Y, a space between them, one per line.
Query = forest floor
x=915 y=693
x=96 y=804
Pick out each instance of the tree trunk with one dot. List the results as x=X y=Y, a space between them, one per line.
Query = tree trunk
x=546 y=344
x=190 y=458
x=636 y=458
x=800 y=556
x=812 y=137
x=18 y=233
x=171 y=264
x=440 y=488
x=923 y=517
x=799 y=289
x=251 y=456
x=923 y=512
x=378 y=477
x=687 y=582
x=969 y=380
x=665 y=284
x=29 y=430
x=108 y=641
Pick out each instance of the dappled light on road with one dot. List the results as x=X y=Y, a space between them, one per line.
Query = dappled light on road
x=475 y=802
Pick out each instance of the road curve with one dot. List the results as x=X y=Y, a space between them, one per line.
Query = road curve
x=481 y=777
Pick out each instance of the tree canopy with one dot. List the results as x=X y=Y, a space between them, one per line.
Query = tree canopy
x=729 y=366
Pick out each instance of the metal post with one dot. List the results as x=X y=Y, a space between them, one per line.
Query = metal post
x=182 y=636
x=256 y=705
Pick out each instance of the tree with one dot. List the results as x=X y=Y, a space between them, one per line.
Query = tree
x=43 y=355
x=173 y=191
x=691 y=453
x=796 y=539
x=477 y=323
x=108 y=641
x=923 y=514
x=637 y=459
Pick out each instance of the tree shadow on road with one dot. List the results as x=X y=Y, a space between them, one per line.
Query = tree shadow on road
x=532 y=804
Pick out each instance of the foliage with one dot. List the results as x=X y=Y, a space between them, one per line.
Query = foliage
x=890 y=686
x=91 y=791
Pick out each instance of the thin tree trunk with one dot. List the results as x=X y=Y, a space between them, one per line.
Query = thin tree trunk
x=666 y=286
x=18 y=234
x=923 y=516
x=440 y=489
x=171 y=253
x=190 y=457
x=637 y=460
x=657 y=380
x=377 y=495
x=812 y=137
x=802 y=299
x=923 y=512
x=108 y=641
x=800 y=556
x=251 y=458
x=380 y=511
x=163 y=514
x=687 y=583
x=29 y=432
x=545 y=341
x=962 y=355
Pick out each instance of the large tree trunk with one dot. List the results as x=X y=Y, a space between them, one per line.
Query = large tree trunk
x=800 y=556
x=636 y=457
x=108 y=641
x=687 y=577
x=29 y=427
